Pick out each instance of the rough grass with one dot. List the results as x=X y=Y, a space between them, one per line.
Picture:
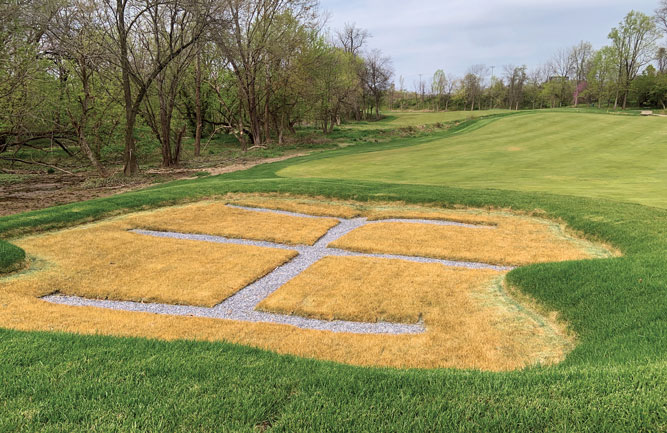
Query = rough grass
x=614 y=380
x=220 y=220
x=105 y=261
x=11 y=257
x=593 y=155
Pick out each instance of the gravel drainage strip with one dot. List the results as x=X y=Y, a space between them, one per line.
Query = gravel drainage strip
x=241 y=306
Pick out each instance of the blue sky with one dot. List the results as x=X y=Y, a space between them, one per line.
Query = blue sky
x=452 y=35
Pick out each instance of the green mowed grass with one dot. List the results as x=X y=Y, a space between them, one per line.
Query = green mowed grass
x=595 y=155
x=403 y=119
x=10 y=256
x=614 y=380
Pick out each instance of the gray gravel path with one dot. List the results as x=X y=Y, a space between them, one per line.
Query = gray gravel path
x=241 y=306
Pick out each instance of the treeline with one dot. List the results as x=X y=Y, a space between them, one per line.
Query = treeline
x=631 y=70
x=83 y=75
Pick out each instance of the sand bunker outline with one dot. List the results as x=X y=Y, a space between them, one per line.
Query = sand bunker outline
x=241 y=306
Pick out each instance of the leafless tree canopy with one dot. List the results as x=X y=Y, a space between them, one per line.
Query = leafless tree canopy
x=352 y=39
x=661 y=15
x=377 y=76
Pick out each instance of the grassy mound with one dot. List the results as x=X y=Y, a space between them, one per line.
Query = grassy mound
x=11 y=257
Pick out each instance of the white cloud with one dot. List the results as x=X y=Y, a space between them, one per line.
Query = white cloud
x=424 y=36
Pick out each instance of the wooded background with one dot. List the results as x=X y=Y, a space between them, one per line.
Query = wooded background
x=85 y=75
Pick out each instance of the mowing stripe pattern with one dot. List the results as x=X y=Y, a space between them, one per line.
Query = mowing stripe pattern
x=241 y=306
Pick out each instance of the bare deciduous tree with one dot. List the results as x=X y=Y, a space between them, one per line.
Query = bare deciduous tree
x=561 y=68
x=661 y=15
x=246 y=46
x=352 y=39
x=69 y=37
x=661 y=57
x=439 y=87
x=516 y=78
x=378 y=73
x=473 y=85
x=129 y=21
x=580 y=58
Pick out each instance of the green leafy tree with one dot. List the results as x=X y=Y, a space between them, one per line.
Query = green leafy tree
x=439 y=87
x=634 y=40
x=602 y=76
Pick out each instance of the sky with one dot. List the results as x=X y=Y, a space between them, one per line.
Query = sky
x=453 y=35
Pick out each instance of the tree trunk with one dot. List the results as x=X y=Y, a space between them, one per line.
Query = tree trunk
x=81 y=124
x=130 y=167
x=253 y=115
x=179 y=145
x=83 y=144
x=165 y=124
x=198 y=103
x=267 y=119
x=281 y=128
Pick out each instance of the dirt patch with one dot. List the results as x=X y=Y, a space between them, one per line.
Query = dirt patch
x=39 y=190
x=246 y=165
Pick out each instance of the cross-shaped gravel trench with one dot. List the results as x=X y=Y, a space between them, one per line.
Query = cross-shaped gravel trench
x=241 y=306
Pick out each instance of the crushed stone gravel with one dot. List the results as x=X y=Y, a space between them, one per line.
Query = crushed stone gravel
x=241 y=306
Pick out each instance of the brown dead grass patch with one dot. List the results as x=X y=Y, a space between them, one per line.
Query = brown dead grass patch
x=215 y=218
x=435 y=215
x=515 y=241
x=468 y=325
x=370 y=290
x=351 y=209
x=310 y=206
x=461 y=308
x=564 y=244
x=372 y=211
x=104 y=261
x=479 y=331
